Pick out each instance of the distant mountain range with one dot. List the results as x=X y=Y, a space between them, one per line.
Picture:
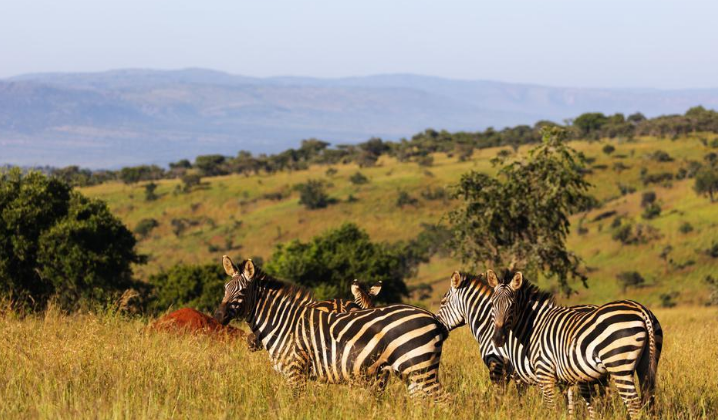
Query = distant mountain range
x=126 y=117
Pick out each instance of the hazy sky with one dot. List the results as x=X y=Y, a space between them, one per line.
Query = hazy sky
x=607 y=43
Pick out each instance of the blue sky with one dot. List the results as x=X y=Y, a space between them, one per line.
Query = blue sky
x=608 y=43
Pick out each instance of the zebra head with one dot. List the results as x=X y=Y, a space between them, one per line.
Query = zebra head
x=503 y=308
x=451 y=311
x=235 y=291
x=363 y=298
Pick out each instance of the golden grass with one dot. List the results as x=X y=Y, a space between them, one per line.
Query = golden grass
x=106 y=367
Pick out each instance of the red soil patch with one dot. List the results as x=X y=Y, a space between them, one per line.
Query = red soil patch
x=192 y=321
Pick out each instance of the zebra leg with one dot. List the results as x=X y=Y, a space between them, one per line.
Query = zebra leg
x=548 y=391
x=586 y=390
x=296 y=371
x=625 y=384
x=380 y=382
x=425 y=383
x=570 y=396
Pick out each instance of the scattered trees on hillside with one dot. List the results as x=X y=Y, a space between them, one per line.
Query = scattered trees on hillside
x=519 y=219
x=419 y=148
x=57 y=244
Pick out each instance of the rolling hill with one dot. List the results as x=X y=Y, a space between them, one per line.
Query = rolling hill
x=125 y=117
x=248 y=215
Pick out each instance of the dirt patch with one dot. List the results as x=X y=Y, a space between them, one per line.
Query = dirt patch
x=188 y=320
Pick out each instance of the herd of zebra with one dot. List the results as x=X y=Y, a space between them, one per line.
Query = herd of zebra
x=523 y=336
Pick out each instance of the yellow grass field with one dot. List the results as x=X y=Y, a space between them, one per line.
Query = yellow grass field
x=105 y=366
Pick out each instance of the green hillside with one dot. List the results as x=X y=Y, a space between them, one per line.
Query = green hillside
x=248 y=215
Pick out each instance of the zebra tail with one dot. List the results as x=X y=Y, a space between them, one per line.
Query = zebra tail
x=649 y=383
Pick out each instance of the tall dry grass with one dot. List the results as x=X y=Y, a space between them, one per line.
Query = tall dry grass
x=56 y=366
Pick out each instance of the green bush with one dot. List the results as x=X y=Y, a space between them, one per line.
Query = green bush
x=358 y=179
x=197 y=286
x=608 y=149
x=630 y=279
x=651 y=211
x=312 y=195
x=57 y=244
x=685 y=227
x=330 y=262
x=404 y=199
x=145 y=226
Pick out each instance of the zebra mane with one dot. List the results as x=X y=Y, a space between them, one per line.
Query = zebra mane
x=532 y=293
x=470 y=277
x=266 y=281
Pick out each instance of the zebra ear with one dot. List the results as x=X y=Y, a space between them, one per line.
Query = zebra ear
x=456 y=280
x=491 y=278
x=249 y=269
x=375 y=289
x=517 y=281
x=229 y=266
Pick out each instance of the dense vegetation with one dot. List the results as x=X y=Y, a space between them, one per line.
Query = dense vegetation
x=57 y=243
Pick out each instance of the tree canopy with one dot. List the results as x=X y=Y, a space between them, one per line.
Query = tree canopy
x=56 y=243
x=520 y=218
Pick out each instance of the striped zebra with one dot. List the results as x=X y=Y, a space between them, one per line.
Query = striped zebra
x=562 y=345
x=468 y=301
x=361 y=345
x=362 y=300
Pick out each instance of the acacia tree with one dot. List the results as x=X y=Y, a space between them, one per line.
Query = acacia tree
x=520 y=218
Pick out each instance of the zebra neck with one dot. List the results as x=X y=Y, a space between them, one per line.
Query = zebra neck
x=274 y=300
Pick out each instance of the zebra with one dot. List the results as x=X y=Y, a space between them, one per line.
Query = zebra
x=468 y=301
x=364 y=345
x=362 y=300
x=550 y=344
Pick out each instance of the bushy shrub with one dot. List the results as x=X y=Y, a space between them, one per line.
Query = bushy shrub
x=404 y=199
x=685 y=227
x=330 y=262
x=57 y=243
x=197 y=286
x=313 y=195
x=630 y=279
x=358 y=179
x=608 y=149
x=145 y=226
x=651 y=211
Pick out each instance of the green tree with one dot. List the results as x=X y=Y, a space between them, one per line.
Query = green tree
x=330 y=262
x=150 y=191
x=520 y=218
x=210 y=165
x=312 y=195
x=56 y=243
x=590 y=123
x=196 y=286
x=706 y=181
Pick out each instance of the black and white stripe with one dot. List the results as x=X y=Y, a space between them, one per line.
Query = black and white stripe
x=564 y=345
x=334 y=347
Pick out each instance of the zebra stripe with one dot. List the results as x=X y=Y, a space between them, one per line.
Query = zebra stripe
x=468 y=301
x=570 y=346
x=303 y=341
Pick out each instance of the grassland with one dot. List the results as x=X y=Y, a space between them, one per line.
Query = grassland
x=232 y=215
x=105 y=366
